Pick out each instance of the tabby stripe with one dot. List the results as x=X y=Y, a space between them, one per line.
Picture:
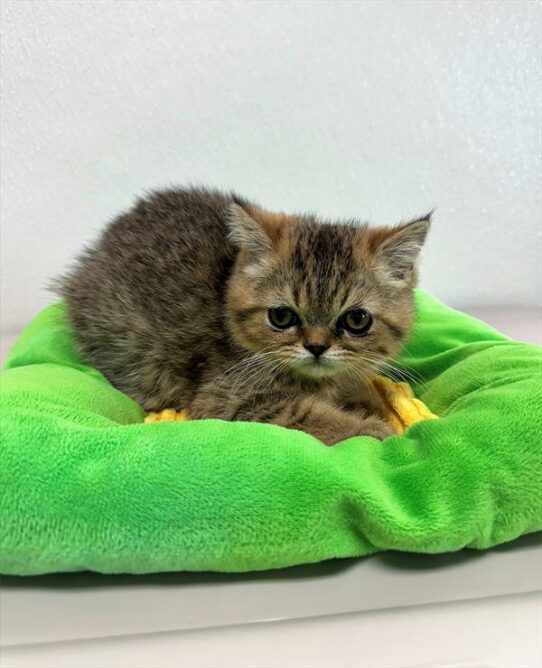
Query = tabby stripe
x=394 y=329
x=271 y=414
x=292 y=409
x=242 y=316
x=300 y=420
x=239 y=410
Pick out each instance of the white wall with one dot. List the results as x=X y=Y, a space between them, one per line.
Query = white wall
x=380 y=110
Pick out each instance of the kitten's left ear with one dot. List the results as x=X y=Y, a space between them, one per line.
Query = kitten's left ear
x=246 y=233
x=254 y=230
x=397 y=251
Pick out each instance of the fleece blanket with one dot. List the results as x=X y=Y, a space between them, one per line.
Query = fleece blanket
x=86 y=485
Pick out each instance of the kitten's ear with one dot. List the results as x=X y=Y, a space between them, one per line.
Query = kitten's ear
x=245 y=232
x=396 y=250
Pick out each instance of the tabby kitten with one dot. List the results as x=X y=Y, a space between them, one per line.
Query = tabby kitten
x=200 y=300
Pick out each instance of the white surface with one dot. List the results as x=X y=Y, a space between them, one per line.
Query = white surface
x=522 y=324
x=70 y=607
x=491 y=632
x=380 y=110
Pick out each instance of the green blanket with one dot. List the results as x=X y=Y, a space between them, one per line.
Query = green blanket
x=86 y=485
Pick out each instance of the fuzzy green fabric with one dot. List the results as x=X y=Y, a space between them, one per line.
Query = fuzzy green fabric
x=85 y=485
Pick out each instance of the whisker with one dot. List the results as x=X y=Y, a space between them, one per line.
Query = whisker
x=404 y=374
x=357 y=373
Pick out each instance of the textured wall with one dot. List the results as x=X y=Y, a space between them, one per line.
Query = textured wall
x=380 y=110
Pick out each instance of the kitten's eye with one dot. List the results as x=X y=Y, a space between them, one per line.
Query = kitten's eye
x=282 y=317
x=356 y=322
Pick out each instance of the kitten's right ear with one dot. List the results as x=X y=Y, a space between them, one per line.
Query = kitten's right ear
x=245 y=232
x=396 y=249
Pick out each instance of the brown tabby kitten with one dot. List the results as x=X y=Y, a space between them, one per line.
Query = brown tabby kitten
x=200 y=300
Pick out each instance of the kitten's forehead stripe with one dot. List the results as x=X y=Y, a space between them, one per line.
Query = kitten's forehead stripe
x=323 y=265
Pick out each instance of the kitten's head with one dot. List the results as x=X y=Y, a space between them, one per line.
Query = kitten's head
x=320 y=299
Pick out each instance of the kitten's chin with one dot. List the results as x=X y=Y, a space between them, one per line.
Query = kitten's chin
x=318 y=370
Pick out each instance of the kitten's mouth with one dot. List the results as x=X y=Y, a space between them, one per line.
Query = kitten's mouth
x=320 y=367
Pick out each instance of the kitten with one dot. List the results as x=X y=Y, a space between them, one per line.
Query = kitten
x=200 y=300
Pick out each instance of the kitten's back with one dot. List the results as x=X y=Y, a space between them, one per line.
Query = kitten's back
x=145 y=301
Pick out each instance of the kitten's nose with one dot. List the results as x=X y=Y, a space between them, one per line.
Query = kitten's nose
x=316 y=349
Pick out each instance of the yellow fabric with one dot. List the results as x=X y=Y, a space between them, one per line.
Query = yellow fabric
x=168 y=415
x=401 y=408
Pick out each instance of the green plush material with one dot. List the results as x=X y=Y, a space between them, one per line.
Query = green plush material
x=86 y=485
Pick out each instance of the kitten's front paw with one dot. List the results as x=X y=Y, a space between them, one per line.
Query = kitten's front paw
x=376 y=428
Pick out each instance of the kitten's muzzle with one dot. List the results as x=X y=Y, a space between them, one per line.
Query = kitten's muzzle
x=316 y=349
